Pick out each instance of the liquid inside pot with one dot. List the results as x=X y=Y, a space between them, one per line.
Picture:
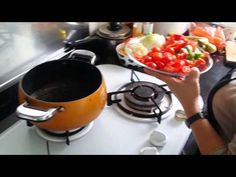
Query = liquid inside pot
x=62 y=81
x=65 y=90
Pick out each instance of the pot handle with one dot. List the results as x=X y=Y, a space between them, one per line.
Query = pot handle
x=78 y=43
x=24 y=111
x=84 y=55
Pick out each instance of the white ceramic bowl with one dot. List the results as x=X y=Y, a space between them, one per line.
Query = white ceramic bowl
x=123 y=59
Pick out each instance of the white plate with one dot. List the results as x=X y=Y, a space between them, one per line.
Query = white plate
x=124 y=59
x=137 y=40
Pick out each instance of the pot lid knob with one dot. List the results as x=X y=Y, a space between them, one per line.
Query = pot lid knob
x=114 y=26
x=114 y=30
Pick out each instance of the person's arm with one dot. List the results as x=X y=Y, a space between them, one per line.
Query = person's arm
x=230 y=149
x=206 y=137
x=188 y=92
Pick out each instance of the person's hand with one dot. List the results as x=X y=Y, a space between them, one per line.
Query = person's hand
x=186 y=90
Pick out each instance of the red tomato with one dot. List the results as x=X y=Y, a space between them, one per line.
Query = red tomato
x=180 y=44
x=151 y=54
x=178 y=63
x=169 y=40
x=151 y=65
x=176 y=44
x=177 y=36
x=157 y=56
x=188 y=62
x=167 y=57
x=156 y=49
x=170 y=49
x=147 y=58
x=169 y=68
x=202 y=67
x=185 y=69
x=199 y=62
x=160 y=64
x=171 y=63
x=167 y=54
x=181 y=56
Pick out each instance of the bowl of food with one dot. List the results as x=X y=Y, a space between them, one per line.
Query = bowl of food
x=123 y=57
x=173 y=55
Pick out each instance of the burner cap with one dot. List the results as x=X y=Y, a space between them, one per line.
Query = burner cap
x=133 y=101
x=143 y=92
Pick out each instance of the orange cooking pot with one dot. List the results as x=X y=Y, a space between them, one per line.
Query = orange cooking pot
x=62 y=95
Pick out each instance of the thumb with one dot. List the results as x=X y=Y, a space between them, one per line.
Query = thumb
x=193 y=74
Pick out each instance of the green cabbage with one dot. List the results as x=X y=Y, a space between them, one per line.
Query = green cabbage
x=153 y=40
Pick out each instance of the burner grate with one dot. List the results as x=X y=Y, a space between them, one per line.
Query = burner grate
x=142 y=95
x=142 y=99
x=63 y=136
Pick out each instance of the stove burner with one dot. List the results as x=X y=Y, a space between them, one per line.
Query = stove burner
x=63 y=133
x=141 y=100
x=64 y=136
x=142 y=95
x=143 y=92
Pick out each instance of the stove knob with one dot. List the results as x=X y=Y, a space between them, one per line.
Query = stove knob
x=158 y=138
x=149 y=151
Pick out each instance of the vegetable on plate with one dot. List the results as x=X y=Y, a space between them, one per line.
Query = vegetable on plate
x=178 y=54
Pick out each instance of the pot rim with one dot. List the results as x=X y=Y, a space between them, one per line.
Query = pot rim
x=60 y=102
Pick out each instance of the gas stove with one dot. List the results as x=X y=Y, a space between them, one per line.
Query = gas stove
x=141 y=100
x=115 y=131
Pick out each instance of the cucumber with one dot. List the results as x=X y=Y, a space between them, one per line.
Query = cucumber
x=189 y=48
x=204 y=43
x=207 y=46
x=197 y=38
